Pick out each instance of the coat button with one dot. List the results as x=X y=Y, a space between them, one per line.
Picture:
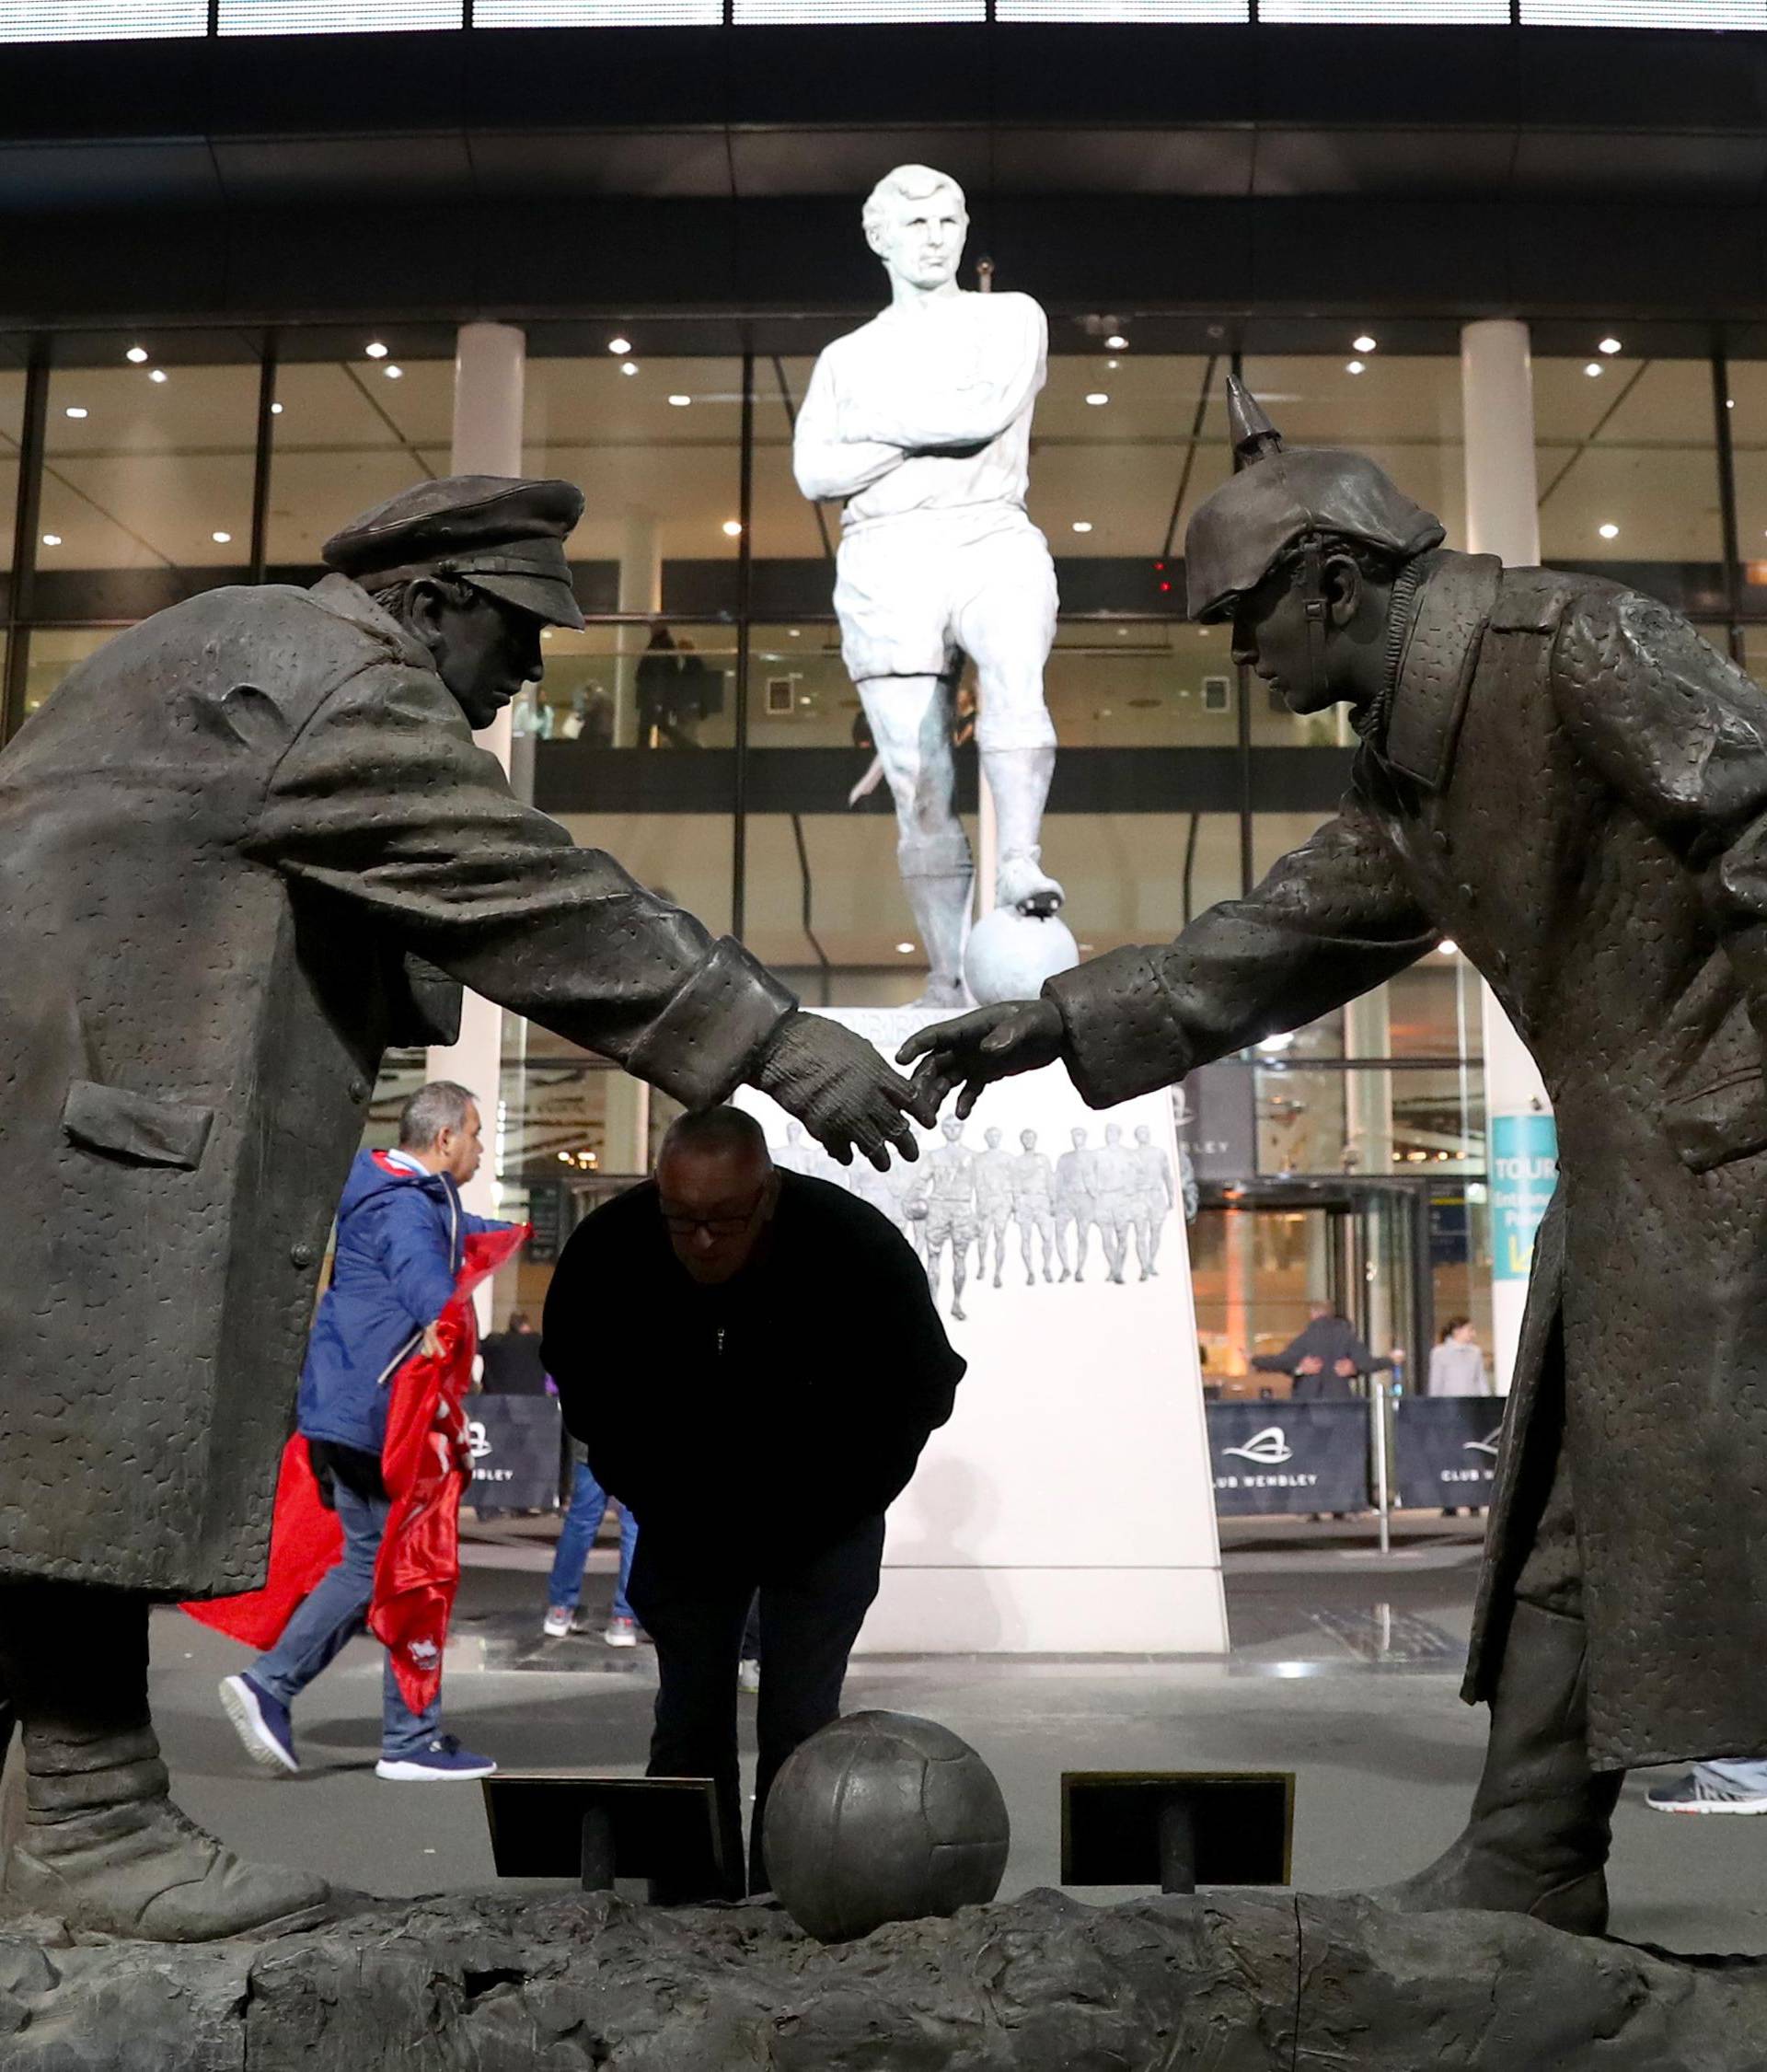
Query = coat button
x=358 y=1089
x=301 y=1255
x=1468 y=893
x=1440 y=837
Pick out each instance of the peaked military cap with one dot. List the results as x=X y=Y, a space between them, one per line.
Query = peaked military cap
x=497 y=532
x=1282 y=493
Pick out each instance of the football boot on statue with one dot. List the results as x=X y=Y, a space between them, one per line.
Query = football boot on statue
x=1537 y=1841
x=97 y=1844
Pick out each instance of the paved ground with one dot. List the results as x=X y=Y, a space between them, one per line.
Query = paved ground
x=1344 y=1670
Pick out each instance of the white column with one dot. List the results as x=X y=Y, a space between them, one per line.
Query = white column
x=1503 y=518
x=489 y=368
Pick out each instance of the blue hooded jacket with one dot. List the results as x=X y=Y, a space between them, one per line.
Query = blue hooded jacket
x=401 y=1239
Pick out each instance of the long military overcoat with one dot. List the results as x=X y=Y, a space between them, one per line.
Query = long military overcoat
x=1572 y=786
x=239 y=848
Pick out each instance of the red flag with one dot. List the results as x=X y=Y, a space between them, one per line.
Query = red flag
x=425 y=1465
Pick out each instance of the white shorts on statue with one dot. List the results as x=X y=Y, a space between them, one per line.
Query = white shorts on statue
x=914 y=592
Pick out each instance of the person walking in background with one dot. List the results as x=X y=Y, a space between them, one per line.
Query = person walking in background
x=760 y=1395
x=402 y=1233
x=583 y=1517
x=1457 y=1361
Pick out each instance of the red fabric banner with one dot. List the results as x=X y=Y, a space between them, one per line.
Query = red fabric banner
x=426 y=1465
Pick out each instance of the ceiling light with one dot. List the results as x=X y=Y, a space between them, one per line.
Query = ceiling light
x=158 y=373
x=1112 y=364
x=680 y=402
x=1608 y=532
x=794 y=632
x=1097 y=396
x=1448 y=949
x=1593 y=369
x=733 y=528
x=904 y=949
x=1608 y=345
x=1082 y=525
x=221 y=539
x=52 y=539
x=138 y=354
x=394 y=374
x=276 y=410
x=74 y=410
x=1355 y=367
x=375 y=351
x=1116 y=343
x=1364 y=344
x=619 y=346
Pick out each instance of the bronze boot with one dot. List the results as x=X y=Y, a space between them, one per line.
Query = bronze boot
x=99 y=1845
x=1537 y=1841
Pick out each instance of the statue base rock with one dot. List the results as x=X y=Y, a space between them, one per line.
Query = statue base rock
x=487 y=1982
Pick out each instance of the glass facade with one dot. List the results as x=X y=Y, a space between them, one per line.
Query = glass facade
x=703 y=729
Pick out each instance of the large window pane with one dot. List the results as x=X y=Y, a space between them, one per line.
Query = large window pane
x=351 y=428
x=1628 y=473
x=52 y=652
x=1402 y=411
x=147 y=473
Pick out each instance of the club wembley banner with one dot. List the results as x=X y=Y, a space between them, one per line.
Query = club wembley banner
x=1273 y=1457
x=516 y=1442
x=1445 y=1450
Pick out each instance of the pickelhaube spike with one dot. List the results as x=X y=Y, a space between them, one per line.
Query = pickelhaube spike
x=1254 y=437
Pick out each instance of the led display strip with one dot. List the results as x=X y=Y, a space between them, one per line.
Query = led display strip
x=829 y=14
x=56 y=21
x=1409 y=14
x=1644 y=14
x=333 y=18
x=597 y=14
x=1123 y=10
x=94 y=21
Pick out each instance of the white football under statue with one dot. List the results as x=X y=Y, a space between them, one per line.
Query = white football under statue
x=918 y=423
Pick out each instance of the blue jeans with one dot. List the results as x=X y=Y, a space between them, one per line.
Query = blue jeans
x=336 y=1610
x=583 y=1519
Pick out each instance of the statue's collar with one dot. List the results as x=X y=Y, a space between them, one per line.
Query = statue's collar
x=348 y=600
x=1437 y=627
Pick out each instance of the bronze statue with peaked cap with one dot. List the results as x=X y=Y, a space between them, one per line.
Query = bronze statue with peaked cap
x=1562 y=776
x=243 y=849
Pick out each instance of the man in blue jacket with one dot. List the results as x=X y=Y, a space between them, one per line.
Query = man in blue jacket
x=401 y=1234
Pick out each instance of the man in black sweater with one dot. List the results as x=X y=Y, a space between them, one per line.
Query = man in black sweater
x=754 y=1362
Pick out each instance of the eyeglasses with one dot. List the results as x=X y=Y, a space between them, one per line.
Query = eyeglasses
x=716 y=1226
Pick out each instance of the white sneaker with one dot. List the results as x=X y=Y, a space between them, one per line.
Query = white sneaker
x=444 y=1761
x=555 y=1626
x=1703 y=1790
x=620 y=1633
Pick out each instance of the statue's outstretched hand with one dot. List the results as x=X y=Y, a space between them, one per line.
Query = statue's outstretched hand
x=1019 y=1035
x=841 y=1091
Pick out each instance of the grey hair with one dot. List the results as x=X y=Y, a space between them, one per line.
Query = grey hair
x=727 y=1130
x=432 y=1109
x=906 y=183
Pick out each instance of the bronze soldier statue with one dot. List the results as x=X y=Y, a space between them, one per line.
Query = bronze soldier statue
x=1563 y=777
x=243 y=849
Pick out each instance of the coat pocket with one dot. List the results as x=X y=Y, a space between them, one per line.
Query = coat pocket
x=1721 y=1123
x=140 y=1127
